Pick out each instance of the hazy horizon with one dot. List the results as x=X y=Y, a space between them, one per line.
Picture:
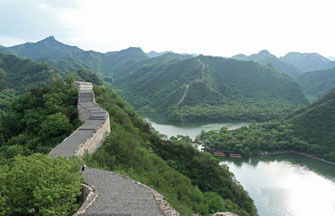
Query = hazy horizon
x=217 y=28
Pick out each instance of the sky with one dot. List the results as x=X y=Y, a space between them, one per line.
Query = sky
x=210 y=27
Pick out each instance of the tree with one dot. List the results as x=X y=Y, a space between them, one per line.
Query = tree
x=39 y=185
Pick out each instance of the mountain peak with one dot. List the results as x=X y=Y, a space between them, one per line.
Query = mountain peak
x=50 y=39
x=265 y=53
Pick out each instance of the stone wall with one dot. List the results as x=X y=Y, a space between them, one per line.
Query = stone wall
x=93 y=143
x=89 y=137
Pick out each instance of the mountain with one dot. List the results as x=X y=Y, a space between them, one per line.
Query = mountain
x=66 y=65
x=68 y=58
x=153 y=54
x=317 y=83
x=264 y=57
x=49 y=47
x=331 y=58
x=141 y=67
x=315 y=124
x=211 y=89
x=308 y=61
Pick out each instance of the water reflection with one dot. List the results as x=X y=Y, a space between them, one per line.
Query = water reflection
x=287 y=185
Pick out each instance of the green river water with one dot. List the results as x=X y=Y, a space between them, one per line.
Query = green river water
x=281 y=185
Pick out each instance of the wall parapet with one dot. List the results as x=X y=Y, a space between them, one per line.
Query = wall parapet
x=91 y=135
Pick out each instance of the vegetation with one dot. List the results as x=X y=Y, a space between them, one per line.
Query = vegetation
x=133 y=149
x=32 y=183
x=18 y=75
x=317 y=83
x=310 y=130
x=219 y=89
x=69 y=58
x=85 y=75
x=39 y=185
x=39 y=120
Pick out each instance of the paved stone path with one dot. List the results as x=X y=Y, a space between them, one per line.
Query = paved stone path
x=119 y=195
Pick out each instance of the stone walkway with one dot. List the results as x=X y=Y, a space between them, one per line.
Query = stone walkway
x=119 y=195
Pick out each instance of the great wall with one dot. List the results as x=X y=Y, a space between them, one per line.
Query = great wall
x=104 y=192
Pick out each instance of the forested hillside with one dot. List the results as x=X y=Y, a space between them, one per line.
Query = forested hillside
x=18 y=75
x=32 y=183
x=212 y=88
x=264 y=57
x=317 y=83
x=310 y=130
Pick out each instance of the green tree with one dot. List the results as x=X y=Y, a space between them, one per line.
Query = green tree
x=39 y=185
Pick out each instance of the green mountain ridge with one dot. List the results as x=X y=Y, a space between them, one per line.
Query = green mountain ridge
x=48 y=47
x=317 y=83
x=211 y=82
x=68 y=58
x=315 y=124
x=18 y=76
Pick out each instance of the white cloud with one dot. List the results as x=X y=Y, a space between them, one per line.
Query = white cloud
x=215 y=27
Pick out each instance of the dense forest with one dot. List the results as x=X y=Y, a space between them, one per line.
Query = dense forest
x=18 y=75
x=135 y=150
x=31 y=183
x=310 y=130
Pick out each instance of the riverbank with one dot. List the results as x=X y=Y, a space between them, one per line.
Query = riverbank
x=297 y=153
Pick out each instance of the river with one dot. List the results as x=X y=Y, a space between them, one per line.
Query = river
x=280 y=185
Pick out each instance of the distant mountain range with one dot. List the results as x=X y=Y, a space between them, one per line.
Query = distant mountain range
x=194 y=88
x=68 y=58
x=266 y=58
x=308 y=61
x=292 y=64
x=153 y=54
